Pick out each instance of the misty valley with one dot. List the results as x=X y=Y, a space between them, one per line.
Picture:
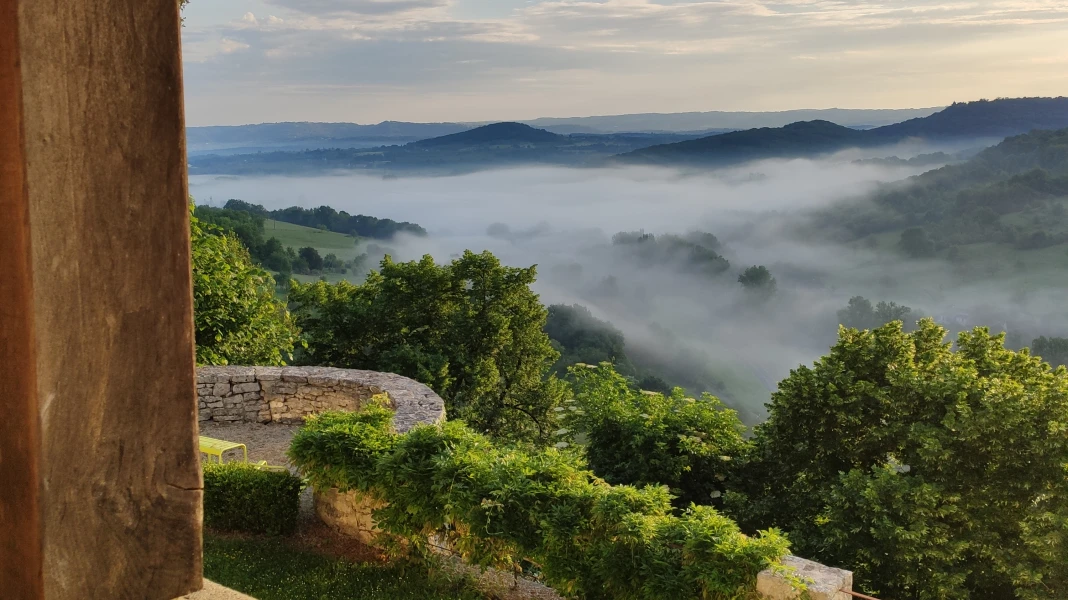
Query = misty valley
x=714 y=279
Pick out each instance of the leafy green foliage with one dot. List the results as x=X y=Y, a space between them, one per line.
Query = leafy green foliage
x=240 y=497
x=859 y=313
x=647 y=438
x=249 y=228
x=270 y=569
x=543 y=510
x=582 y=338
x=237 y=319
x=471 y=330
x=933 y=473
x=1053 y=350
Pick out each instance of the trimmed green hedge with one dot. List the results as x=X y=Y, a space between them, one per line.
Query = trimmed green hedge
x=240 y=497
x=541 y=510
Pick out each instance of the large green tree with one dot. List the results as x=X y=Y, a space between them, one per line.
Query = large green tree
x=237 y=318
x=648 y=438
x=933 y=473
x=471 y=330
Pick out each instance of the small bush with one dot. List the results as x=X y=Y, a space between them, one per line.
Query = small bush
x=240 y=497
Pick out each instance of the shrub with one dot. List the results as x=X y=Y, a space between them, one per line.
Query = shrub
x=544 y=510
x=241 y=497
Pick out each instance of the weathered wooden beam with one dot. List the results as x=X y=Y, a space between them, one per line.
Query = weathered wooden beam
x=21 y=545
x=105 y=221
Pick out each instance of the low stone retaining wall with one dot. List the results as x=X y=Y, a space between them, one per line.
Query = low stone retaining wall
x=289 y=394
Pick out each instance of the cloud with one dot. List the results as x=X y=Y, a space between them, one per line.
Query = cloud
x=357 y=7
x=573 y=57
x=228 y=46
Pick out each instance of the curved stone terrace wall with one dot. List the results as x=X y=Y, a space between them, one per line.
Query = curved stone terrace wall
x=288 y=394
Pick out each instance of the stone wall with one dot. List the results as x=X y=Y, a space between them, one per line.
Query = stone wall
x=288 y=394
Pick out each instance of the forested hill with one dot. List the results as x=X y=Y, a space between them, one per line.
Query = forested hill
x=971 y=120
x=984 y=118
x=804 y=138
x=1014 y=192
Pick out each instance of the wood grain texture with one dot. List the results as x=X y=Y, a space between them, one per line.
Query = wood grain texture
x=20 y=450
x=106 y=180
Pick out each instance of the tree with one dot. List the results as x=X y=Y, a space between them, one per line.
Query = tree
x=758 y=280
x=311 y=258
x=916 y=243
x=859 y=313
x=472 y=330
x=932 y=473
x=1053 y=350
x=236 y=317
x=647 y=438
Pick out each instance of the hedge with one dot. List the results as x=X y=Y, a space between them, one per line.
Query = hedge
x=241 y=497
x=538 y=510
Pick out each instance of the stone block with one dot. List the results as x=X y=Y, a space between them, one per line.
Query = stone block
x=268 y=374
x=221 y=389
x=294 y=378
x=250 y=396
x=241 y=388
x=204 y=415
x=821 y=582
x=216 y=404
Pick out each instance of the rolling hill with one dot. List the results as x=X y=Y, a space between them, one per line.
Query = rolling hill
x=984 y=119
x=496 y=134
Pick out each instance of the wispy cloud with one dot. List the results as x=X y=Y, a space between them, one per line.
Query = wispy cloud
x=656 y=54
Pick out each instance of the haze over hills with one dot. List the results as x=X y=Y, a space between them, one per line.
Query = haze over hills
x=979 y=123
x=488 y=146
x=232 y=139
x=704 y=121
x=982 y=121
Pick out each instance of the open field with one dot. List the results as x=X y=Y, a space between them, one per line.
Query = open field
x=298 y=236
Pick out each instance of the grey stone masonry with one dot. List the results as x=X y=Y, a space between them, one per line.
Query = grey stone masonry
x=289 y=394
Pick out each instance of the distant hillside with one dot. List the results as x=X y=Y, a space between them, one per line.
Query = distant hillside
x=706 y=121
x=495 y=134
x=797 y=139
x=1015 y=193
x=982 y=119
x=499 y=144
x=266 y=137
x=281 y=132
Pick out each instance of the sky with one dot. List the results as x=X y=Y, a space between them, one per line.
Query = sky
x=366 y=61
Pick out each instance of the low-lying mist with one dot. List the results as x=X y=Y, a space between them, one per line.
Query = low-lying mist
x=701 y=330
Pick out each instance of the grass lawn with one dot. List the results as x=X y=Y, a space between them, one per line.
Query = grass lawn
x=299 y=236
x=270 y=569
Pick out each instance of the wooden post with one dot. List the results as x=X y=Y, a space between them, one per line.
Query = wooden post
x=98 y=450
